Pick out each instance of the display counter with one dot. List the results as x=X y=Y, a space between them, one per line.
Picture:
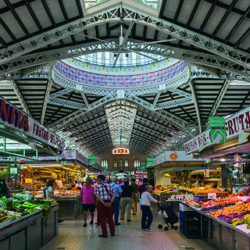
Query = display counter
x=30 y=231
x=69 y=207
x=216 y=232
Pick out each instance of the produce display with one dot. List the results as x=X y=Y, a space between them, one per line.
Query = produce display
x=206 y=191
x=58 y=193
x=12 y=209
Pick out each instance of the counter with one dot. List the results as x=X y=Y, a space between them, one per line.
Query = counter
x=29 y=232
x=69 y=207
x=219 y=233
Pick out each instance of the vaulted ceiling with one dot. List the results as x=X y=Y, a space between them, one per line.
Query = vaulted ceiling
x=212 y=36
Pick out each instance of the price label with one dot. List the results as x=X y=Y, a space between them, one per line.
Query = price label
x=212 y=196
x=175 y=190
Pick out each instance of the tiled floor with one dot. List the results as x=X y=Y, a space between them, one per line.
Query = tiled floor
x=72 y=236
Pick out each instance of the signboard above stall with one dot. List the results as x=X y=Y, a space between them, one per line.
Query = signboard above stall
x=13 y=118
x=174 y=156
x=235 y=125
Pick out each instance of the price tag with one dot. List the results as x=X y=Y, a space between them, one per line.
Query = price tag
x=212 y=196
x=175 y=190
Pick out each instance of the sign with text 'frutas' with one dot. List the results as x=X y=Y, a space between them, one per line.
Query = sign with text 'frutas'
x=217 y=128
x=13 y=118
x=235 y=125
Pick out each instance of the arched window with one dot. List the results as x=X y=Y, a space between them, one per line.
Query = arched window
x=137 y=163
x=126 y=163
x=115 y=163
x=120 y=164
x=104 y=163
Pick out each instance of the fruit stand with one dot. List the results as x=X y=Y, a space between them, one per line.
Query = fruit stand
x=27 y=230
x=223 y=222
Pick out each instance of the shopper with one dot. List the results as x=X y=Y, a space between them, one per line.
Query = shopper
x=147 y=216
x=134 y=196
x=116 y=203
x=49 y=190
x=88 y=201
x=126 y=200
x=142 y=187
x=105 y=195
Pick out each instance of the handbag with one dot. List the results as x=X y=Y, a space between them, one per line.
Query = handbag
x=107 y=191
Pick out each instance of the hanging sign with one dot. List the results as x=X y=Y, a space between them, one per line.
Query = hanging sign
x=143 y=165
x=112 y=173
x=217 y=129
x=207 y=173
x=139 y=169
x=150 y=162
x=104 y=168
x=92 y=160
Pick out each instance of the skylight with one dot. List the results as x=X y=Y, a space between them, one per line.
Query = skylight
x=151 y=3
x=129 y=59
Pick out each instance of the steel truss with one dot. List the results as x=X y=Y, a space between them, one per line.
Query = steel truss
x=46 y=98
x=20 y=97
x=230 y=54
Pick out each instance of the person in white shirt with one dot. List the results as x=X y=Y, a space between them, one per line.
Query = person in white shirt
x=147 y=216
x=50 y=190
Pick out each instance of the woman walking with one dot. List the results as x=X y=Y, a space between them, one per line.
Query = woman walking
x=147 y=216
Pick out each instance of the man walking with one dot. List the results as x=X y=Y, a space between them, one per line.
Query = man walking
x=105 y=195
x=88 y=201
x=134 y=196
x=126 y=201
x=116 y=205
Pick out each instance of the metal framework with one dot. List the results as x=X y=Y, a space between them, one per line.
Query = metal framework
x=130 y=15
x=196 y=106
x=20 y=97
x=46 y=98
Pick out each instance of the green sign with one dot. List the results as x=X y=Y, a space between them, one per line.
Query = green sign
x=217 y=129
x=63 y=162
x=143 y=165
x=92 y=160
x=139 y=169
x=112 y=173
x=104 y=168
x=150 y=162
x=128 y=173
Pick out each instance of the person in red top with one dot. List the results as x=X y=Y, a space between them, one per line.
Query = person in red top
x=88 y=201
x=105 y=195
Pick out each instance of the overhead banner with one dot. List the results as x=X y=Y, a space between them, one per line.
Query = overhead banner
x=217 y=128
x=13 y=118
x=235 y=125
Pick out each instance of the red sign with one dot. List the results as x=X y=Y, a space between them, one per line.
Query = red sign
x=120 y=151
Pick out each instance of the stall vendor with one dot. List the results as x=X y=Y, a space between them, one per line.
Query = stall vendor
x=198 y=181
x=58 y=182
